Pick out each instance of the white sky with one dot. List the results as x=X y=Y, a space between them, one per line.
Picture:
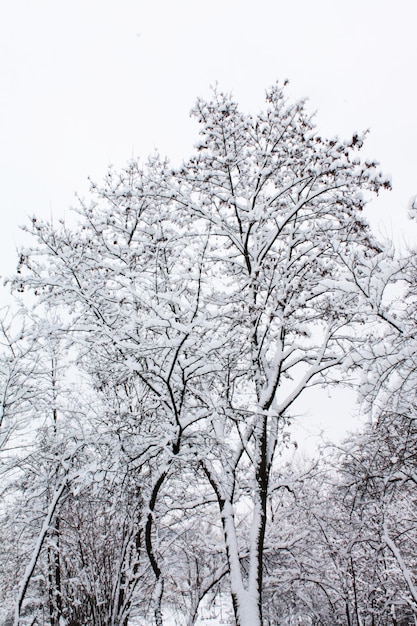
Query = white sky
x=86 y=83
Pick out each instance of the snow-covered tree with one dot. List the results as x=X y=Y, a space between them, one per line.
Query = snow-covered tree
x=215 y=293
x=379 y=471
x=19 y=372
x=71 y=522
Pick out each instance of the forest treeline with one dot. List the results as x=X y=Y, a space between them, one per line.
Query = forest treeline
x=149 y=369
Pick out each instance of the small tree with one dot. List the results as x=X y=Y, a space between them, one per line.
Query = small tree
x=379 y=471
x=221 y=291
x=77 y=514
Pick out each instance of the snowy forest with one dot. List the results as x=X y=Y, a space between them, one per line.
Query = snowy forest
x=158 y=342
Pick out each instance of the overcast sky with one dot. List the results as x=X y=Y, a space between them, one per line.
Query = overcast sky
x=88 y=83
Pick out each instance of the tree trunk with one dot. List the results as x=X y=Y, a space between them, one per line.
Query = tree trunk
x=37 y=550
x=246 y=601
x=54 y=579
